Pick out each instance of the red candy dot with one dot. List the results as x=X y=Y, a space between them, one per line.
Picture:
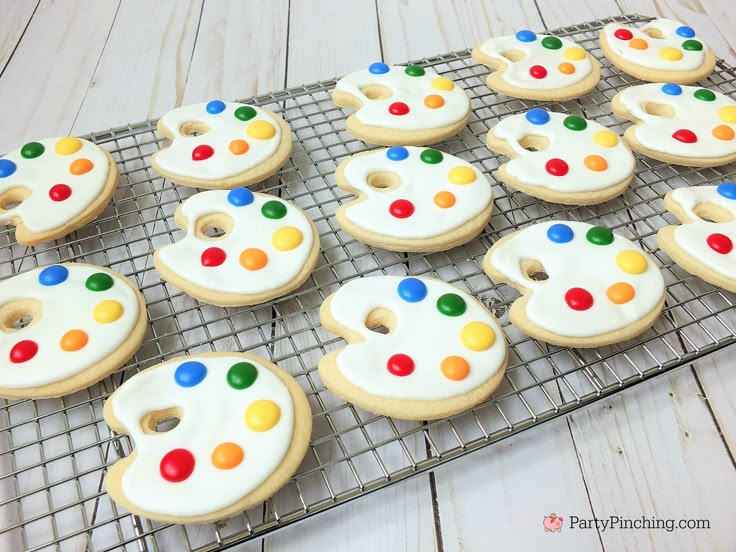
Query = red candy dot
x=398 y=108
x=202 y=152
x=537 y=71
x=177 y=465
x=400 y=365
x=60 y=192
x=401 y=208
x=578 y=299
x=720 y=243
x=685 y=135
x=213 y=256
x=23 y=351
x=623 y=34
x=556 y=167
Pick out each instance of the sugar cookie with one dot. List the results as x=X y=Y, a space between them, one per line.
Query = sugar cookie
x=600 y=288
x=244 y=427
x=221 y=145
x=444 y=352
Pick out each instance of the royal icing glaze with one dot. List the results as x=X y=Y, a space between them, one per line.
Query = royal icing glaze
x=64 y=176
x=597 y=282
x=266 y=248
x=234 y=139
x=581 y=156
x=444 y=343
x=548 y=62
x=236 y=425
x=420 y=99
x=702 y=125
x=438 y=192
x=675 y=48
x=82 y=314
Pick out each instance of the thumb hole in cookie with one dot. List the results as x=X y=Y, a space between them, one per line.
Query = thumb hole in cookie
x=13 y=197
x=381 y=321
x=193 y=129
x=534 y=143
x=513 y=55
x=711 y=212
x=377 y=92
x=658 y=110
x=16 y=315
x=534 y=270
x=213 y=226
x=654 y=33
x=161 y=421
x=384 y=181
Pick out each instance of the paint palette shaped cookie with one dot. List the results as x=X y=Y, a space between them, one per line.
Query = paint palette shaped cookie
x=82 y=322
x=443 y=353
x=221 y=145
x=703 y=243
x=401 y=105
x=54 y=186
x=600 y=288
x=660 y=51
x=269 y=248
x=413 y=199
x=562 y=158
x=244 y=427
x=538 y=67
x=683 y=125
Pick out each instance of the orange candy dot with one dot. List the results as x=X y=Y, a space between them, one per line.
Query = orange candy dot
x=444 y=200
x=723 y=132
x=253 y=258
x=80 y=166
x=620 y=293
x=227 y=455
x=73 y=340
x=239 y=147
x=596 y=163
x=638 y=44
x=566 y=68
x=433 y=101
x=455 y=368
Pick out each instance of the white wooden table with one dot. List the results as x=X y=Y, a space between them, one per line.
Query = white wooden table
x=664 y=449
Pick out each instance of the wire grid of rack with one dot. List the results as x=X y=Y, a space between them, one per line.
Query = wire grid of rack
x=54 y=453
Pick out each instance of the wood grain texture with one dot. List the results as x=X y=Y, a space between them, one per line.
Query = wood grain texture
x=561 y=14
x=14 y=18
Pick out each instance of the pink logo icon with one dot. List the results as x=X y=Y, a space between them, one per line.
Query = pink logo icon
x=552 y=523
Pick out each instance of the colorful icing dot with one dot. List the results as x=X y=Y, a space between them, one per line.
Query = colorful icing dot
x=727 y=190
x=398 y=108
x=245 y=113
x=574 y=54
x=526 y=36
x=560 y=233
x=537 y=116
x=176 y=465
x=599 y=235
x=574 y=122
x=401 y=208
x=477 y=336
x=595 y=163
x=434 y=101
x=215 y=106
x=74 y=340
x=720 y=243
x=287 y=238
x=240 y=197
x=623 y=34
x=60 y=192
x=451 y=304
x=202 y=152
x=455 y=368
x=685 y=31
x=431 y=156
x=261 y=130
x=704 y=95
x=68 y=145
x=727 y=114
x=442 y=83
x=273 y=210
x=566 y=68
x=213 y=256
x=107 y=311
x=190 y=373
x=461 y=175
x=262 y=415
x=7 y=167
x=31 y=150
x=53 y=275
x=253 y=258
x=378 y=68
x=444 y=199
x=414 y=71
x=684 y=135
x=397 y=153
x=80 y=166
x=400 y=365
x=670 y=53
x=638 y=44
x=242 y=375
x=412 y=290
x=605 y=138
x=556 y=167
x=99 y=281
x=537 y=71
x=620 y=293
x=692 y=46
x=632 y=262
x=227 y=456
x=23 y=351
x=238 y=147
x=578 y=299
x=672 y=89
x=551 y=43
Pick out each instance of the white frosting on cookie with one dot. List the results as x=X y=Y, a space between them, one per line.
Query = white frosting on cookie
x=579 y=298
x=84 y=314
x=228 y=440
x=421 y=341
x=63 y=175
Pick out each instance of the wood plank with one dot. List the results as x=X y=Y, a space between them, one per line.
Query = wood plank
x=718 y=379
x=562 y=14
x=14 y=18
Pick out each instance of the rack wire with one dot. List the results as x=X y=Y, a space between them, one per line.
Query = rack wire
x=54 y=453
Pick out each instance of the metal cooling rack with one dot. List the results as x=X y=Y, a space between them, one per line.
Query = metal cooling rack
x=54 y=453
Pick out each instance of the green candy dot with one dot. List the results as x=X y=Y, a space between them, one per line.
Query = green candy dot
x=551 y=43
x=692 y=45
x=241 y=375
x=599 y=235
x=32 y=150
x=414 y=71
x=431 y=156
x=451 y=304
x=99 y=281
x=273 y=210
x=575 y=123
x=705 y=95
x=245 y=113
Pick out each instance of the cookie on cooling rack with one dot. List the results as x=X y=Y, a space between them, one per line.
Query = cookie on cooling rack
x=661 y=51
x=401 y=105
x=53 y=187
x=85 y=322
x=444 y=352
x=413 y=199
x=244 y=428
x=600 y=288
x=538 y=67
x=221 y=145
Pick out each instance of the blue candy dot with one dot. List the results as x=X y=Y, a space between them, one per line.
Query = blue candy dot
x=215 y=106
x=560 y=233
x=672 y=89
x=537 y=116
x=378 y=68
x=7 y=167
x=240 y=197
x=53 y=275
x=526 y=36
x=727 y=190
x=190 y=373
x=685 y=32
x=412 y=290
x=397 y=153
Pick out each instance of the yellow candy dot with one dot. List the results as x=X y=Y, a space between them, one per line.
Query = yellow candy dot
x=728 y=114
x=455 y=368
x=261 y=130
x=620 y=293
x=286 y=238
x=574 y=53
x=80 y=166
x=262 y=415
x=638 y=44
x=73 y=340
x=723 y=132
x=68 y=145
x=461 y=175
x=477 y=336
x=670 y=53
x=444 y=200
x=566 y=68
x=239 y=147
x=605 y=138
x=227 y=455
x=631 y=262
x=442 y=83
x=107 y=311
